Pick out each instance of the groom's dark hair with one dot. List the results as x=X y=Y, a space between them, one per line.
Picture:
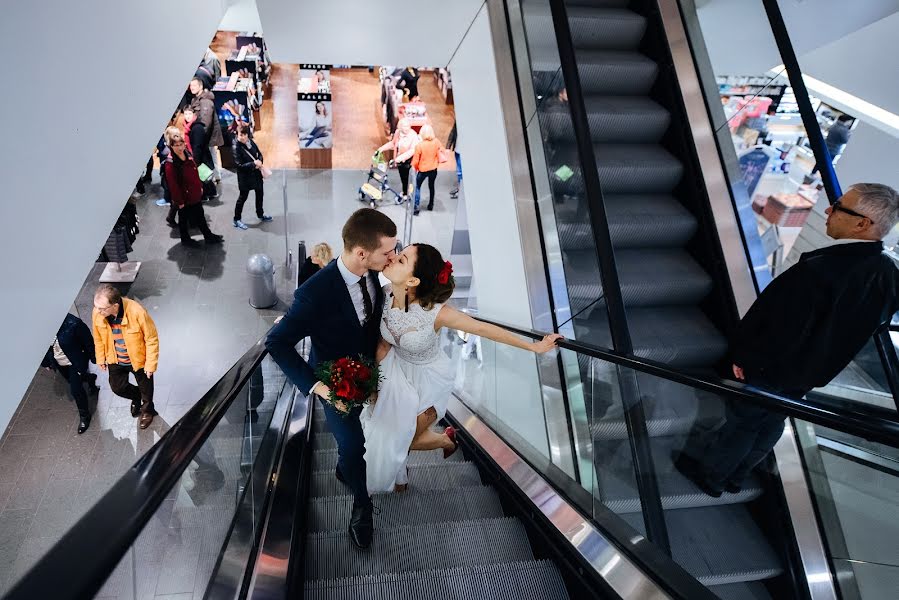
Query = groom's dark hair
x=365 y=228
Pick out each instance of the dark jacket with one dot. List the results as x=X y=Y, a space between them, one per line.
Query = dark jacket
x=199 y=148
x=323 y=310
x=308 y=269
x=815 y=317
x=203 y=105
x=183 y=180
x=76 y=342
x=248 y=176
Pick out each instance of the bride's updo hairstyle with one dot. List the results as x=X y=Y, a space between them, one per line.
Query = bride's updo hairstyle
x=435 y=277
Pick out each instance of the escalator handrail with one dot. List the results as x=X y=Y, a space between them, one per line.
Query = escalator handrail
x=867 y=421
x=78 y=565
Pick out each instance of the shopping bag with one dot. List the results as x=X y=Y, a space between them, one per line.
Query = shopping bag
x=443 y=156
x=266 y=172
x=204 y=172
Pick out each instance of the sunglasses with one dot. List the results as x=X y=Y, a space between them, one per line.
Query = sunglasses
x=839 y=206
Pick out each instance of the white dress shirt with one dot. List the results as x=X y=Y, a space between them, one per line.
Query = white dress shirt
x=352 y=284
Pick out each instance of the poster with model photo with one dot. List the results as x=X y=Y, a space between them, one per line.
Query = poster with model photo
x=314 y=106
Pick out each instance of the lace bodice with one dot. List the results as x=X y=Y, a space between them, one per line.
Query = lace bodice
x=411 y=333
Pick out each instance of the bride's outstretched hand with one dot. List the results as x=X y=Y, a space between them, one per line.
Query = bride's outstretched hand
x=546 y=344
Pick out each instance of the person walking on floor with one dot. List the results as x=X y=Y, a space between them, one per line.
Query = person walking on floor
x=69 y=355
x=126 y=343
x=186 y=190
x=203 y=104
x=802 y=330
x=403 y=144
x=425 y=161
x=452 y=142
x=248 y=159
x=339 y=309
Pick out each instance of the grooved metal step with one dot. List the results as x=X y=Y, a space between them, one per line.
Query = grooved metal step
x=627 y=119
x=753 y=590
x=635 y=221
x=421 y=477
x=648 y=277
x=602 y=73
x=530 y=579
x=591 y=27
x=418 y=548
x=396 y=510
x=326 y=460
x=617 y=488
x=718 y=545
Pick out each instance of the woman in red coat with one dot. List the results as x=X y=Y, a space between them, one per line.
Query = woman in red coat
x=186 y=190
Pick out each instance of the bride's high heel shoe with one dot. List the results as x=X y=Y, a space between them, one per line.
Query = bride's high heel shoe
x=451 y=434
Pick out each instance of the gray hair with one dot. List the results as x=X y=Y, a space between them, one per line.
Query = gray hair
x=880 y=203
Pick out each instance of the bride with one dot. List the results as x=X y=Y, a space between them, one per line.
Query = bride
x=417 y=374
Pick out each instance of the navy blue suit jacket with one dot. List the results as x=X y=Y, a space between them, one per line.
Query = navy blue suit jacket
x=323 y=310
x=76 y=342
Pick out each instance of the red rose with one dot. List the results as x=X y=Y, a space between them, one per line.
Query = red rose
x=445 y=273
x=344 y=389
x=363 y=374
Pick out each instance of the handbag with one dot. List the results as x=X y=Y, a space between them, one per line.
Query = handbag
x=266 y=172
x=443 y=156
x=204 y=172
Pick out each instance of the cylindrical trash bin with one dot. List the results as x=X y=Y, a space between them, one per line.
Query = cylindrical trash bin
x=261 y=273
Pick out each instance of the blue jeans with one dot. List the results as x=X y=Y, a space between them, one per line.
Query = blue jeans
x=347 y=431
x=458 y=167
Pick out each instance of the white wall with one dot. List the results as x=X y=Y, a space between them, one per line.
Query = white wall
x=374 y=32
x=738 y=35
x=871 y=156
x=96 y=81
x=864 y=63
x=241 y=15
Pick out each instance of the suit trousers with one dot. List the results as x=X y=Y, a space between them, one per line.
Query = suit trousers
x=76 y=387
x=140 y=395
x=347 y=431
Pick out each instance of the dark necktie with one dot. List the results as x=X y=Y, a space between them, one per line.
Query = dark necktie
x=366 y=298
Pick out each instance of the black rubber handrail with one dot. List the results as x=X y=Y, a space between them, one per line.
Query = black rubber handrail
x=863 y=420
x=77 y=566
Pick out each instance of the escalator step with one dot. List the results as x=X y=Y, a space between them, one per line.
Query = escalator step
x=637 y=168
x=635 y=221
x=718 y=544
x=414 y=506
x=617 y=488
x=326 y=460
x=754 y=590
x=324 y=442
x=612 y=119
x=418 y=548
x=591 y=27
x=602 y=73
x=421 y=477
x=530 y=579
x=648 y=277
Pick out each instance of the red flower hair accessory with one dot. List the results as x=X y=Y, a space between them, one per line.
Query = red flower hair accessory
x=445 y=273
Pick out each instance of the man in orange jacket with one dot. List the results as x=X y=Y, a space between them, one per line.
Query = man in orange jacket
x=126 y=342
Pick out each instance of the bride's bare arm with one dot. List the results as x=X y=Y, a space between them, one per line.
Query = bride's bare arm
x=383 y=349
x=454 y=319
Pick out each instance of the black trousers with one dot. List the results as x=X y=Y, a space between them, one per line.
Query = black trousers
x=749 y=433
x=76 y=387
x=140 y=394
x=404 y=168
x=347 y=430
x=242 y=198
x=192 y=214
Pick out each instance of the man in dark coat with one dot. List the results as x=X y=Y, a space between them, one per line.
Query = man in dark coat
x=69 y=356
x=803 y=329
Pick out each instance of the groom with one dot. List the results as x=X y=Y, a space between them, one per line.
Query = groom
x=339 y=308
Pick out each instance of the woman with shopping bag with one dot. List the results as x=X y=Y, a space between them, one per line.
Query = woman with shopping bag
x=250 y=173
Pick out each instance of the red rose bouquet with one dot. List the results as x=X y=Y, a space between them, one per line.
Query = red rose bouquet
x=352 y=381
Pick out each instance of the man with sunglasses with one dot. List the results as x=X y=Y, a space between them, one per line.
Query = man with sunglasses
x=802 y=330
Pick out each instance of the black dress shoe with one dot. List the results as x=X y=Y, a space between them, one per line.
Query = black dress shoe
x=190 y=243
x=135 y=410
x=689 y=468
x=361 y=525
x=733 y=488
x=84 y=424
x=215 y=239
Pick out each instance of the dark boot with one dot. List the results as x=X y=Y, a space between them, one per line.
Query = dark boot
x=361 y=525
x=84 y=423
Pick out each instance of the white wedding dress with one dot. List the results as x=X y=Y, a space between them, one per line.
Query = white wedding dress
x=417 y=375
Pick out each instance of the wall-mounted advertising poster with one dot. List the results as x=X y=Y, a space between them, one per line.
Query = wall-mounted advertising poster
x=314 y=107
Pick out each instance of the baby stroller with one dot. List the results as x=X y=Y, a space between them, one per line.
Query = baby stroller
x=377 y=187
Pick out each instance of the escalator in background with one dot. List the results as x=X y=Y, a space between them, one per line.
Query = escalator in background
x=676 y=296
